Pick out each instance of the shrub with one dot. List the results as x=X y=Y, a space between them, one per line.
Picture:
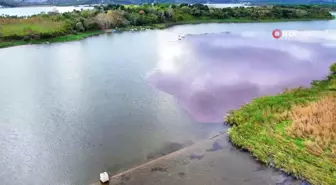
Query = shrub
x=333 y=68
x=79 y=27
x=90 y=24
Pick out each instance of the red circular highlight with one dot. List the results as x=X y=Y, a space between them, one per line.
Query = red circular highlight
x=277 y=33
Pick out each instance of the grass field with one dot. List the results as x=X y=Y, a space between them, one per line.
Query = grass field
x=294 y=131
x=22 y=27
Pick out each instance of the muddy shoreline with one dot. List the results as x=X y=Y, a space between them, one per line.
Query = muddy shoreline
x=211 y=161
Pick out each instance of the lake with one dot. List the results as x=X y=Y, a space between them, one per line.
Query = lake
x=69 y=111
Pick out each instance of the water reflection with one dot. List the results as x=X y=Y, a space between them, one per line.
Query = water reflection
x=218 y=72
x=69 y=111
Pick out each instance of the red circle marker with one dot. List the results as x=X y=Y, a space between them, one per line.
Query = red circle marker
x=277 y=33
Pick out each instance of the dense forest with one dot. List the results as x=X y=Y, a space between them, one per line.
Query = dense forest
x=54 y=24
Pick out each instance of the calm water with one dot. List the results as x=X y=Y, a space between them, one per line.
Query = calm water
x=71 y=110
x=216 y=73
x=27 y=11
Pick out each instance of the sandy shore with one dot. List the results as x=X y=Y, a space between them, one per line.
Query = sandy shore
x=211 y=162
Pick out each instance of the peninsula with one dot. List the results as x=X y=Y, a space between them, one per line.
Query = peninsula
x=294 y=131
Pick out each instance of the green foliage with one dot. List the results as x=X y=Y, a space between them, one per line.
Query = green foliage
x=90 y=24
x=54 y=24
x=333 y=68
x=260 y=128
x=69 y=37
x=80 y=27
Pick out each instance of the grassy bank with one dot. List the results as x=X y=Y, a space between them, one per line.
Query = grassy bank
x=83 y=35
x=65 y=38
x=294 y=131
x=77 y=36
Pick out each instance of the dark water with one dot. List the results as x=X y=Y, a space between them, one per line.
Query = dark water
x=71 y=110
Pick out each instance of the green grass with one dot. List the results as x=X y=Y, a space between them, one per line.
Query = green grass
x=73 y=37
x=12 y=28
x=21 y=29
x=260 y=128
x=65 y=38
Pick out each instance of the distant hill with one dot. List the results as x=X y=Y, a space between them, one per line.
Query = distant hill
x=81 y=2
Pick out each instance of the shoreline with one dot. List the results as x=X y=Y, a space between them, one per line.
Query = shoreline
x=83 y=35
x=168 y=156
x=205 y=162
x=299 y=166
x=268 y=128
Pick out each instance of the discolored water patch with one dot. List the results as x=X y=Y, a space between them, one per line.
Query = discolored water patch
x=215 y=146
x=214 y=73
x=196 y=156
x=159 y=169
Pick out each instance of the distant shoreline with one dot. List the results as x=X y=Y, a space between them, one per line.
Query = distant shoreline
x=81 y=36
x=46 y=5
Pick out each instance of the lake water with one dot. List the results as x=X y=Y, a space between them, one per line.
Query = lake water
x=69 y=111
x=27 y=11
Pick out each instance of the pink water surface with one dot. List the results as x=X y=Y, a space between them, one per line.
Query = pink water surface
x=214 y=73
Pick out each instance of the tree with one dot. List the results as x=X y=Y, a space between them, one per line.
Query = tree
x=152 y=18
x=133 y=18
x=169 y=13
x=183 y=5
x=195 y=12
x=161 y=15
x=333 y=68
x=79 y=27
x=102 y=20
x=54 y=11
x=186 y=9
x=90 y=24
x=116 y=18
